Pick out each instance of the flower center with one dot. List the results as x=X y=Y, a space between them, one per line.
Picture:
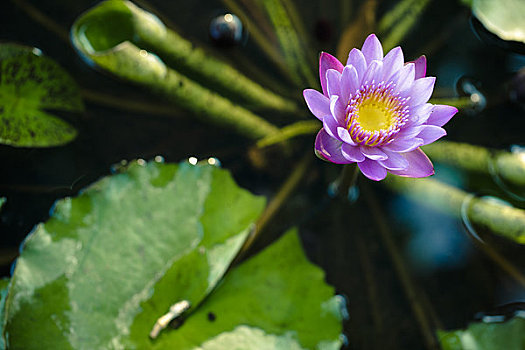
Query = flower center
x=375 y=114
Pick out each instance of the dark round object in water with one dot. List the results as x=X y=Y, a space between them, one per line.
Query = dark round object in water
x=492 y=39
x=211 y=316
x=227 y=30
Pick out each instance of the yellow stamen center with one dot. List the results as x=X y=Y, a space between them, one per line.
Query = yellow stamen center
x=374 y=116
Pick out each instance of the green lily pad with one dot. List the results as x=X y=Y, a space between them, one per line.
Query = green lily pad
x=126 y=249
x=275 y=300
x=30 y=84
x=505 y=18
x=509 y=335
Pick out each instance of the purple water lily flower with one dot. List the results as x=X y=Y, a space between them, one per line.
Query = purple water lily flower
x=375 y=112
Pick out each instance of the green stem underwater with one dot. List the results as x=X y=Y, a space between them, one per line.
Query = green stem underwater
x=343 y=185
x=499 y=218
x=510 y=166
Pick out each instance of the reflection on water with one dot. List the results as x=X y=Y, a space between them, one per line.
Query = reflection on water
x=438 y=241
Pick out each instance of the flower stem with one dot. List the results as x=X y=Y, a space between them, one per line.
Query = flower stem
x=304 y=127
x=458 y=102
x=284 y=192
x=291 y=45
x=180 y=54
x=398 y=22
x=501 y=219
x=510 y=166
x=412 y=293
x=344 y=185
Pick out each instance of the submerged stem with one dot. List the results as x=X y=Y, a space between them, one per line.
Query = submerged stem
x=398 y=22
x=510 y=166
x=409 y=287
x=277 y=202
x=499 y=218
x=343 y=185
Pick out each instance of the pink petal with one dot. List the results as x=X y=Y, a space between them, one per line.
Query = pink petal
x=373 y=153
x=431 y=133
x=421 y=90
x=349 y=82
x=372 y=49
x=338 y=109
x=318 y=103
x=392 y=62
x=395 y=161
x=326 y=62
x=333 y=82
x=328 y=148
x=404 y=78
x=357 y=59
x=373 y=73
x=441 y=114
x=352 y=153
x=372 y=169
x=418 y=165
x=421 y=67
x=403 y=145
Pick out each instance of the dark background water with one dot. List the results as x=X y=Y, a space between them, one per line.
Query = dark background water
x=453 y=278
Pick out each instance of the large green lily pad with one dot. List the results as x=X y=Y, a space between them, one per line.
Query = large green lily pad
x=276 y=300
x=505 y=18
x=31 y=84
x=509 y=335
x=124 y=251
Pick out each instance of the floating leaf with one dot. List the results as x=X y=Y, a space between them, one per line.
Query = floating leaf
x=505 y=18
x=509 y=335
x=29 y=85
x=276 y=300
x=143 y=239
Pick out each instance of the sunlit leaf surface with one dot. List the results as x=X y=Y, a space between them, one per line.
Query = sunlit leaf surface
x=509 y=335
x=276 y=300
x=505 y=18
x=122 y=252
x=31 y=84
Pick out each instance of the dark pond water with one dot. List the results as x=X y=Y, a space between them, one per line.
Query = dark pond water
x=453 y=278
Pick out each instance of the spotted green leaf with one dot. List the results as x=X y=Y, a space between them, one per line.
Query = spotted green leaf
x=122 y=252
x=30 y=86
